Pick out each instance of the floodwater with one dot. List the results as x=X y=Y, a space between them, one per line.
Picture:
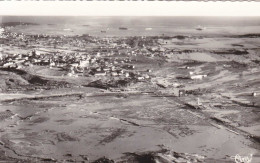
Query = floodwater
x=112 y=126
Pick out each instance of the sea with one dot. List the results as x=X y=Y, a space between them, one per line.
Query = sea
x=134 y=26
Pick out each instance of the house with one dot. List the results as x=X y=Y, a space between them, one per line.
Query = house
x=113 y=68
x=84 y=63
x=10 y=65
x=182 y=92
x=2 y=30
x=100 y=73
x=198 y=76
x=191 y=73
x=106 y=69
x=130 y=67
x=164 y=41
x=52 y=64
x=140 y=78
x=127 y=75
x=146 y=76
x=114 y=73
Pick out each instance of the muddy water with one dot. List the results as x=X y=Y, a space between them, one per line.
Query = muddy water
x=110 y=126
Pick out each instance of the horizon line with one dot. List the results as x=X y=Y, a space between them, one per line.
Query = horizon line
x=129 y=8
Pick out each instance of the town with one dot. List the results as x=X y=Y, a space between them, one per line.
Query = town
x=87 y=56
x=111 y=58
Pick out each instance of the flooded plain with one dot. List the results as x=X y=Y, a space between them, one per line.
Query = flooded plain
x=69 y=128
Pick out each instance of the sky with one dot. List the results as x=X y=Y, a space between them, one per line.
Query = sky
x=126 y=8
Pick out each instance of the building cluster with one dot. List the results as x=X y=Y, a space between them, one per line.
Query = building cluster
x=76 y=64
x=109 y=57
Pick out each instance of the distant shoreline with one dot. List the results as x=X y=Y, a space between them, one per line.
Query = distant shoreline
x=12 y=24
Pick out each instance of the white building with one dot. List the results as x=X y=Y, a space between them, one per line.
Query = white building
x=1 y=32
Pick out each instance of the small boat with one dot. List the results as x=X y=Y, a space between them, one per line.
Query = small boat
x=122 y=28
x=148 y=29
x=103 y=31
x=200 y=28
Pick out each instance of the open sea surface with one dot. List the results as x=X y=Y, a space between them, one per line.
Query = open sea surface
x=136 y=26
